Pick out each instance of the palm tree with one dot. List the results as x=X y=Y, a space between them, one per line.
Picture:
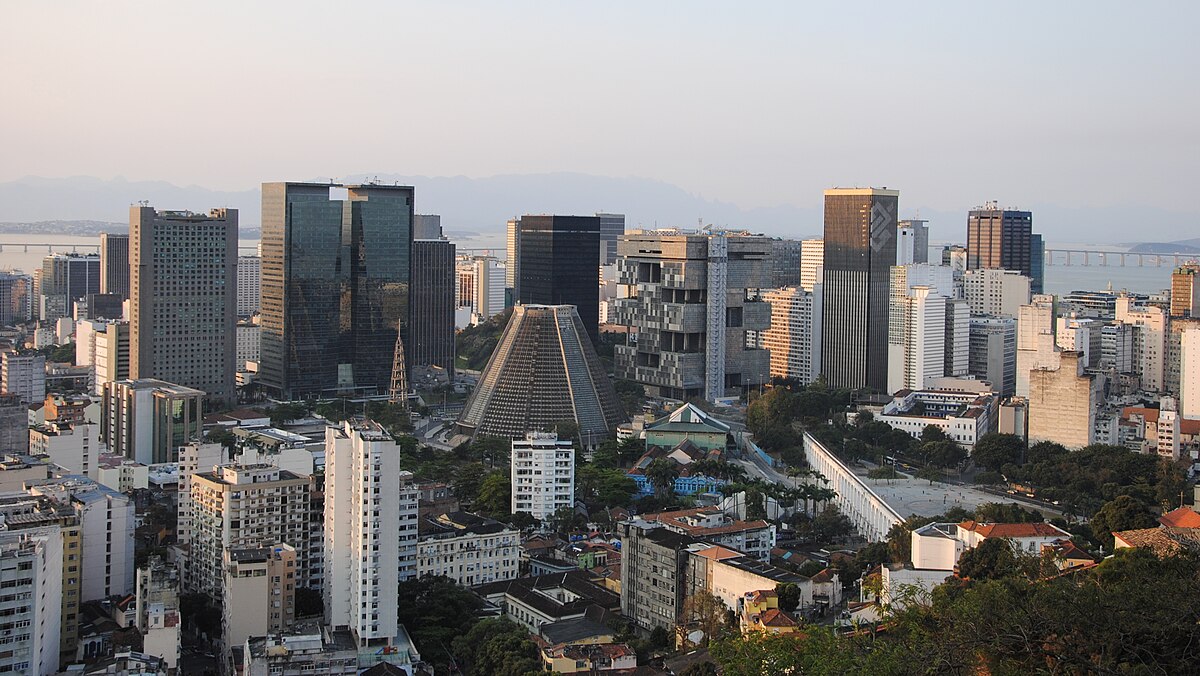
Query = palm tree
x=661 y=473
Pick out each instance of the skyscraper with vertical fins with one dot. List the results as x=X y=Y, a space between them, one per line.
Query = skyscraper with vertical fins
x=544 y=371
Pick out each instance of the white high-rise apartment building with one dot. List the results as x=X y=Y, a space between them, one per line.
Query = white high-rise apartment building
x=24 y=376
x=996 y=292
x=1149 y=340
x=249 y=285
x=1080 y=335
x=243 y=507
x=916 y=339
x=106 y=520
x=543 y=474
x=794 y=338
x=31 y=572
x=370 y=531
x=1189 y=374
x=1035 y=340
x=73 y=446
x=193 y=457
x=812 y=263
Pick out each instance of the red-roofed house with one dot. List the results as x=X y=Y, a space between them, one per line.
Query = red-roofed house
x=1026 y=537
x=761 y=612
x=1184 y=517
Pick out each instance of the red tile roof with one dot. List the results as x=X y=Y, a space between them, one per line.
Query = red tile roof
x=1187 y=426
x=1013 y=530
x=823 y=576
x=775 y=618
x=1184 y=517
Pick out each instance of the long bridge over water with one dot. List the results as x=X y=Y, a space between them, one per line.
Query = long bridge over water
x=1087 y=257
x=59 y=247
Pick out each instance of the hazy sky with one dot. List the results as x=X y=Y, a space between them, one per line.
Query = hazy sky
x=754 y=103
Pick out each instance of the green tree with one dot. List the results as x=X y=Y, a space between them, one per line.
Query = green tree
x=522 y=520
x=1122 y=513
x=468 y=481
x=285 y=413
x=1011 y=512
x=495 y=495
x=945 y=453
x=930 y=474
x=436 y=610
x=497 y=647
x=995 y=450
x=933 y=433
x=789 y=596
x=661 y=473
x=989 y=560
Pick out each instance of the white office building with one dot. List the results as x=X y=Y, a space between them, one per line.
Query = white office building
x=249 y=285
x=73 y=446
x=1035 y=340
x=1149 y=340
x=24 y=376
x=996 y=292
x=812 y=263
x=1189 y=374
x=543 y=474
x=370 y=531
x=928 y=328
x=794 y=338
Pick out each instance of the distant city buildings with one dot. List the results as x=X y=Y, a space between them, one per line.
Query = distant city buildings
x=183 y=295
x=785 y=262
x=912 y=238
x=928 y=334
x=612 y=226
x=992 y=352
x=480 y=286
x=996 y=292
x=689 y=299
x=65 y=278
x=859 y=252
x=1063 y=400
x=24 y=375
x=335 y=286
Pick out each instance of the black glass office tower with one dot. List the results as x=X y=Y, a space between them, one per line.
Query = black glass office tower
x=559 y=265
x=431 y=331
x=1004 y=239
x=860 y=249
x=335 y=286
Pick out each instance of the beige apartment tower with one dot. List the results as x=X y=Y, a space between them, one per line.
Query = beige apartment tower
x=183 y=298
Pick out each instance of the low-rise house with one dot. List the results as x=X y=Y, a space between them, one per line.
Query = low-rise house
x=827 y=588
x=731 y=576
x=589 y=659
x=761 y=612
x=535 y=601
x=755 y=539
x=1162 y=541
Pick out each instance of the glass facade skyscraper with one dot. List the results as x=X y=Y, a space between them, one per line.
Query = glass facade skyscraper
x=335 y=286
x=558 y=263
x=860 y=249
x=1004 y=239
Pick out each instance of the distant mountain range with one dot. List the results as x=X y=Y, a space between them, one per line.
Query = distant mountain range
x=479 y=207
